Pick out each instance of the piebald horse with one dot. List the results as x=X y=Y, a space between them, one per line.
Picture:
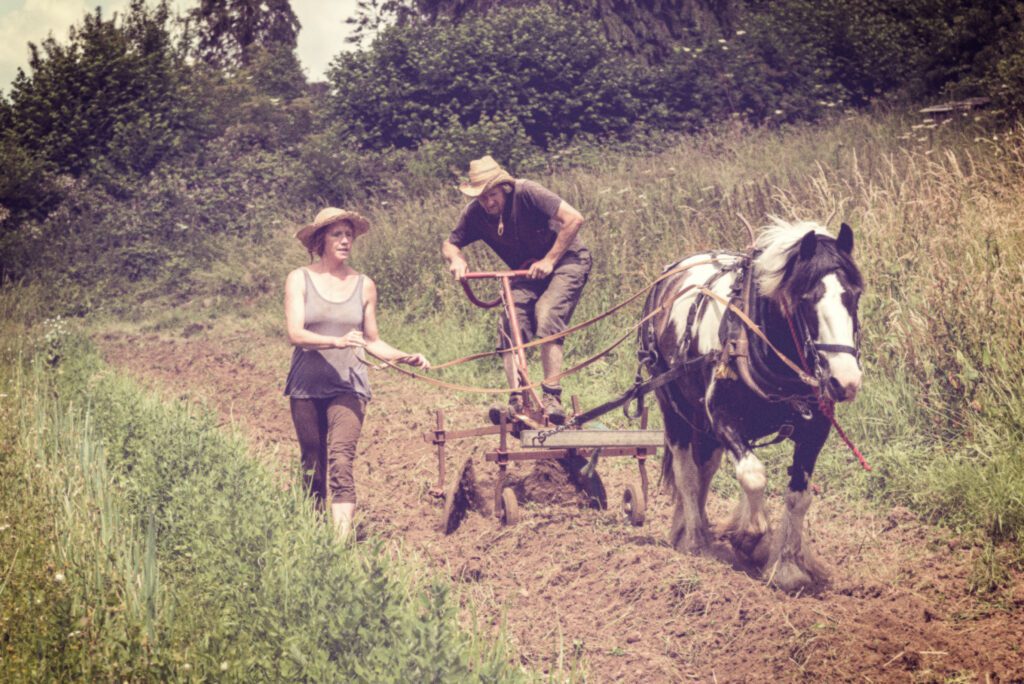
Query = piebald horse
x=801 y=288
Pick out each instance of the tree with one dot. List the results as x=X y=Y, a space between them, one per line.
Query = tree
x=229 y=30
x=646 y=28
x=554 y=72
x=115 y=90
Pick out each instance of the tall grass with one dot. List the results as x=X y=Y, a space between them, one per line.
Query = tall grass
x=139 y=543
x=938 y=215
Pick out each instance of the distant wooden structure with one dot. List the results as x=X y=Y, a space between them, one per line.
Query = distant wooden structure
x=950 y=108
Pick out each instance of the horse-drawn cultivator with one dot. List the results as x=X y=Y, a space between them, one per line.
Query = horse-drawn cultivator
x=572 y=444
x=743 y=350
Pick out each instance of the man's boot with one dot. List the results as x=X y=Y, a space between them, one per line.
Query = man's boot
x=551 y=401
x=515 y=408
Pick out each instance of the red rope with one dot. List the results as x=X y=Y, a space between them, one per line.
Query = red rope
x=827 y=406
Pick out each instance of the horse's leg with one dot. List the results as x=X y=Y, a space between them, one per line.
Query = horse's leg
x=791 y=565
x=747 y=525
x=709 y=458
x=689 y=532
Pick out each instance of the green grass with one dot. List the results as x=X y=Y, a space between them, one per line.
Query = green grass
x=141 y=543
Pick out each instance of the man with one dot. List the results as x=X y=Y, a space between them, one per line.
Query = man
x=530 y=228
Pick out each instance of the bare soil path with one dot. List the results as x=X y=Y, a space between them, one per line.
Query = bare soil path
x=580 y=586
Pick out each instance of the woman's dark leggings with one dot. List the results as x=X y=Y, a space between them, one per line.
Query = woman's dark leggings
x=328 y=430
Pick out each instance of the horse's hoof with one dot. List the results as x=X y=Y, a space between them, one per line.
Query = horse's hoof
x=747 y=543
x=789 y=577
x=694 y=544
x=763 y=549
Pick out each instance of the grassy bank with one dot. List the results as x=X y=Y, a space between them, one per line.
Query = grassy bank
x=140 y=543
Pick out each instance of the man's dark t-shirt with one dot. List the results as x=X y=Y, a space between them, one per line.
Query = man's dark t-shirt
x=527 y=219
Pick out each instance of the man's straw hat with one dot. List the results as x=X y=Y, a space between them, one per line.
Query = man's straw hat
x=484 y=174
x=327 y=217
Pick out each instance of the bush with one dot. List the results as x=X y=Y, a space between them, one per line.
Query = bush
x=554 y=72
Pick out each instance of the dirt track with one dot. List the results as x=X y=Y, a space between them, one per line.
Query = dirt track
x=571 y=582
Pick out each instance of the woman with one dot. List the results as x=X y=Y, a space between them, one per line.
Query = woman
x=330 y=313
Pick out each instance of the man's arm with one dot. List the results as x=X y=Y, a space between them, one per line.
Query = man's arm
x=456 y=262
x=571 y=221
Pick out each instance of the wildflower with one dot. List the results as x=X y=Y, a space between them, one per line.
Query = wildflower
x=721 y=40
x=741 y=32
x=725 y=47
x=58 y=578
x=686 y=49
x=778 y=112
x=224 y=666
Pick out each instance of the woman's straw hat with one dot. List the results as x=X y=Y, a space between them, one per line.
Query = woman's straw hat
x=484 y=174
x=327 y=217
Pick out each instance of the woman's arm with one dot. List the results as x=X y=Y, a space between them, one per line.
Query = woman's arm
x=295 y=319
x=371 y=334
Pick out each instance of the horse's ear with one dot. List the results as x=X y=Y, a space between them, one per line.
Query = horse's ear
x=845 y=240
x=808 y=245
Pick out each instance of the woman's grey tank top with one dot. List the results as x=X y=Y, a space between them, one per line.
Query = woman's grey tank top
x=321 y=373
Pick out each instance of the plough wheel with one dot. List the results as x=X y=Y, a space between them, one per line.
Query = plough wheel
x=633 y=505
x=509 y=514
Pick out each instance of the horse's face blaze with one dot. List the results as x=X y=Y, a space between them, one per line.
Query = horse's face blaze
x=835 y=322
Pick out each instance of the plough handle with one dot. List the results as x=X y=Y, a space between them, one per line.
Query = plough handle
x=487 y=274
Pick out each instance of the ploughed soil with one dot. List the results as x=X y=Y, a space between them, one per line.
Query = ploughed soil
x=581 y=591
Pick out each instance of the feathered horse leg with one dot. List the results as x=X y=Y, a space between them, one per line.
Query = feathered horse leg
x=791 y=564
x=748 y=523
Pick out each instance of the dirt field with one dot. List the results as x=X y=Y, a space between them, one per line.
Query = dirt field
x=578 y=585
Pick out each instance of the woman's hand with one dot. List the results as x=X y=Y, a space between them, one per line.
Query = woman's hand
x=353 y=338
x=418 y=360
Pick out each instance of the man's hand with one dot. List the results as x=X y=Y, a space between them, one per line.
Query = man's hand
x=541 y=269
x=458 y=267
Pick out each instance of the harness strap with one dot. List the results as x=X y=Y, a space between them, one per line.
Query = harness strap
x=756 y=329
x=837 y=349
x=637 y=390
x=785 y=431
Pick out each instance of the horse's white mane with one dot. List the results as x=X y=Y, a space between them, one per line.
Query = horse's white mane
x=776 y=243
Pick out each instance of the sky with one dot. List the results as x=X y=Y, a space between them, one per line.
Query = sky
x=23 y=21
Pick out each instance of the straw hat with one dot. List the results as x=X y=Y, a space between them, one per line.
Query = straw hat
x=484 y=174
x=328 y=216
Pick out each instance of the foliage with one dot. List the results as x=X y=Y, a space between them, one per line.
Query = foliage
x=229 y=31
x=551 y=71
x=113 y=92
x=643 y=28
